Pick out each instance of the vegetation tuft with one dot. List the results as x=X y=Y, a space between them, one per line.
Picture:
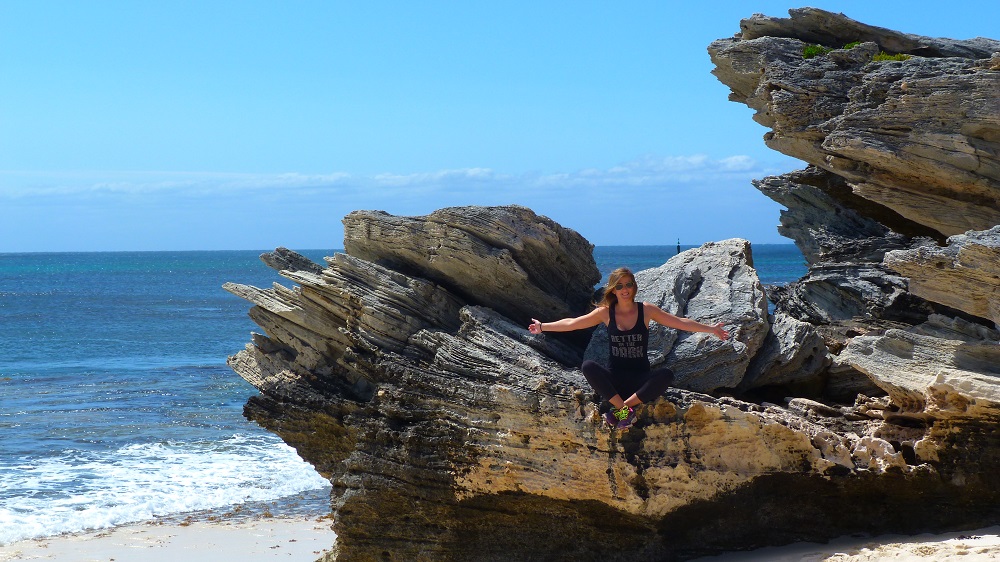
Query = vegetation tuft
x=883 y=56
x=810 y=51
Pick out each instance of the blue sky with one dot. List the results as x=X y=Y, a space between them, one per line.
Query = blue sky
x=249 y=125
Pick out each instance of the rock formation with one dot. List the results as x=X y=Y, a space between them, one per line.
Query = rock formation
x=904 y=159
x=867 y=402
x=918 y=137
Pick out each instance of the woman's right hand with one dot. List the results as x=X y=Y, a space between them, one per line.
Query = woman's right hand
x=535 y=327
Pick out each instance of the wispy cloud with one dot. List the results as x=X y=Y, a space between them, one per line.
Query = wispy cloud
x=17 y=184
x=689 y=197
x=646 y=171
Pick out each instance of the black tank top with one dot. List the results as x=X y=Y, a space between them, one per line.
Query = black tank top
x=628 y=348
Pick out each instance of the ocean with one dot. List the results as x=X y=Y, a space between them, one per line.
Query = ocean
x=116 y=404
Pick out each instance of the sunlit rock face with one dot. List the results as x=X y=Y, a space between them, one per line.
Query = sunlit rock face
x=866 y=401
x=964 y=274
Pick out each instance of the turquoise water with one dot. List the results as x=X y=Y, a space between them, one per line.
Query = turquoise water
x=116 y=405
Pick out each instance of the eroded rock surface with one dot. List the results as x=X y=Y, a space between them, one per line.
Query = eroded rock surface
x=964 y=274
x=942 y=368
x=481 y=255
x=892 y=173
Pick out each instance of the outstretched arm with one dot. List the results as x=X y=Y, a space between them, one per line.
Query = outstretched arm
x=654 y=312
x=595 y=317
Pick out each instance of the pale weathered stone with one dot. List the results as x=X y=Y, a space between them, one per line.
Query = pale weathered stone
x=500 y=256
x=964 y=275
x=955 y=371
x=711 y=284
x=793 y=353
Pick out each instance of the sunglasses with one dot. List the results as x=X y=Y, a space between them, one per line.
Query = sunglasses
x=625 y=285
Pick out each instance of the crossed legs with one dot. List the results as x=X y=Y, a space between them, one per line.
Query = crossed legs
x=638 y=387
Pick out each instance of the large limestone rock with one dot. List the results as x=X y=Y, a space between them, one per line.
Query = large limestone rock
x=449 y=432
x=711 y=284
x=893 y=170
x=943 y=368
x=403 y=372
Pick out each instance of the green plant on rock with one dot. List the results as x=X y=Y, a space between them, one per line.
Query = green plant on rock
x=851 y=45
x=883 y=56
x=810 y=51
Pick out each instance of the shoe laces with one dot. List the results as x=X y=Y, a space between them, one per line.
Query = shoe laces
x=622 y=413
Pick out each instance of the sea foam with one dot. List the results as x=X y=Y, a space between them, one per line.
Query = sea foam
x=81 y=490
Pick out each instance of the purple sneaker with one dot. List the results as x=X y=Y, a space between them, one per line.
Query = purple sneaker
x=610 y=419
x=628 y=420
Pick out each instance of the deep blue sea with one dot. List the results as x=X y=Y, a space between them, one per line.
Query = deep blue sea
x=116 y=404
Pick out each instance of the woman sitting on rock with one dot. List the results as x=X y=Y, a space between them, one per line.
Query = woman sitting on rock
x=628 y=337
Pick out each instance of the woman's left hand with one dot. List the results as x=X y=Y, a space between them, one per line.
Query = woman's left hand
x=720 y=331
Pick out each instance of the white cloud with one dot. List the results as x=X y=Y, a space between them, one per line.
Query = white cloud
x=695 y=198
x=647 y=171
x=17 y=185
x=653 y=171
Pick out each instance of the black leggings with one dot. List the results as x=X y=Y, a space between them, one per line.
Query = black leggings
x=647 y=385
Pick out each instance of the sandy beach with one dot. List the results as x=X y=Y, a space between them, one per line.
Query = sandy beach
x=968 y=546
x=258 y=540
x=305 y=540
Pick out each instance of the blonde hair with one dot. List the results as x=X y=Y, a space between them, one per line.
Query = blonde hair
x=608 y=296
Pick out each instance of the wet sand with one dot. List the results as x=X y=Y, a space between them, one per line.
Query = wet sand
x=258 y=540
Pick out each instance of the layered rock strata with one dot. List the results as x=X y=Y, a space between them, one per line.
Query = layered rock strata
x=867 y=402
x=918 y=136
x=964 y=274
x=903 y=160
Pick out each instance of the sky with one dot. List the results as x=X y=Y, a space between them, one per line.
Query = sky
x=211 y=125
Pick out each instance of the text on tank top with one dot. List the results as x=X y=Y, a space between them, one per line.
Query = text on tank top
x=627 y=350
